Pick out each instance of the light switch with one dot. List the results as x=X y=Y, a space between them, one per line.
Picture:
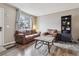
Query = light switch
x=8 y=26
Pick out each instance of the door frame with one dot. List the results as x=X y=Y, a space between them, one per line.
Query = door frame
x=2 y=9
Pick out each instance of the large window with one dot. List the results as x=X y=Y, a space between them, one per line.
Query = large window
x=23 y=21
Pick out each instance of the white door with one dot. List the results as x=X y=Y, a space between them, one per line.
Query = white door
x=1 y=26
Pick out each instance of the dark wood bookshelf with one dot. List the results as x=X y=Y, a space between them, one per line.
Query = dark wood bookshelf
x=66 y=28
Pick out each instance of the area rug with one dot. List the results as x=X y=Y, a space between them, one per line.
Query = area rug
x=63 y=52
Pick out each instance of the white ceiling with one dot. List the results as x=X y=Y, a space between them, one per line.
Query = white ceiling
x=39 y=9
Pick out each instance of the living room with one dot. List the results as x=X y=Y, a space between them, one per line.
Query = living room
x=24 y=23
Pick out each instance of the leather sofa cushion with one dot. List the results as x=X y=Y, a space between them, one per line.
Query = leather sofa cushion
x=26 y=36
x=51 y=31
x=20 y=34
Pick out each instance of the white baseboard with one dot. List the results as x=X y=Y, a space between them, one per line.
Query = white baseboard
x=9 y=43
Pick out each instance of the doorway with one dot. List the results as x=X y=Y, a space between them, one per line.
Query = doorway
x=1 y=26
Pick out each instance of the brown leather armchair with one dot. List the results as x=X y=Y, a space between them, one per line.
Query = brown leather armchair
x=53 y=33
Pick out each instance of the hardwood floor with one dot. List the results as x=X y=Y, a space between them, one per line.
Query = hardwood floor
x=25 y=50
x=29 y=50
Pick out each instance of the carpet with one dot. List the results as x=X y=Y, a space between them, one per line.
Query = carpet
x=63 y=52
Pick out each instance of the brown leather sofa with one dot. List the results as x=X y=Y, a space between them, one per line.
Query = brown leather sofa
x=25 y=37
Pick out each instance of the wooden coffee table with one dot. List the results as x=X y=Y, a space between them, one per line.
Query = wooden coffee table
x=44 y=40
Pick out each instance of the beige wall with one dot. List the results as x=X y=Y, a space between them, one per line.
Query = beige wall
x=9 y=23
x=54 y=21
x=45 y=22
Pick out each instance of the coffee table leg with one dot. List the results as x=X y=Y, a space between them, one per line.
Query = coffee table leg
x=52 y=42
x=35 y=43
x=48 y=47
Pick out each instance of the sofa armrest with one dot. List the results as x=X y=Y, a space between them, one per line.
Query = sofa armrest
x=45 y=33
x=19 y=37
x=54 y=34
